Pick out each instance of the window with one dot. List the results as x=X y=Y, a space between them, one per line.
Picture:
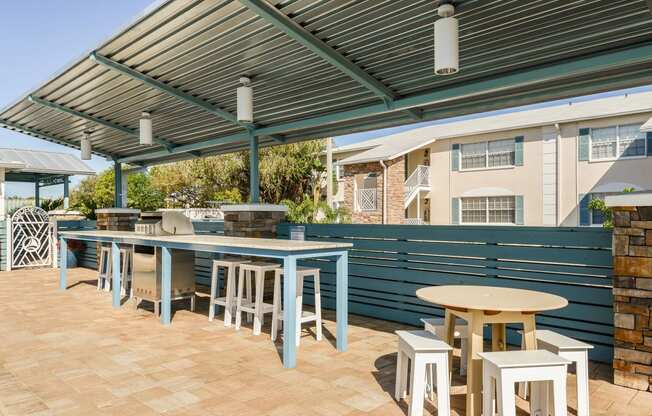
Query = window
x=366 y=192
x=489 y=210
x=617 y=141
x=491 y=154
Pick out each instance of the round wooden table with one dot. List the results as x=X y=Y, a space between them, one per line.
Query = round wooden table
x=480 y=305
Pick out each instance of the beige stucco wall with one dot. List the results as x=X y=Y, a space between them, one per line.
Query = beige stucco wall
x=519 y=180
x=574 y=177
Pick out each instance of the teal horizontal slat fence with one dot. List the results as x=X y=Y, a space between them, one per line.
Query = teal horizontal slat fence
x=87 y=257
x=388 y=263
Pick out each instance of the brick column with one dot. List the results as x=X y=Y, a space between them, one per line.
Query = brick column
x=253 y=220
x=632 y=251
x=115 y=219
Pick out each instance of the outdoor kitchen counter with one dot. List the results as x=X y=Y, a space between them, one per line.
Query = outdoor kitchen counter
x=289 y=251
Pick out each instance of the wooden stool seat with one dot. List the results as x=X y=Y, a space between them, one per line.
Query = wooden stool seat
x=302 y=316
x=230 y=264
x=423 y=349
x=257 y=307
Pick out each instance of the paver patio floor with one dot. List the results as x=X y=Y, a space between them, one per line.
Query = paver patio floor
x=71 y=353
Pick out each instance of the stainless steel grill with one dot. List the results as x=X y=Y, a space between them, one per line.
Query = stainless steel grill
x=147 y=260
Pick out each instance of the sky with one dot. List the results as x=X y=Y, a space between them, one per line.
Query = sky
x=38 y=38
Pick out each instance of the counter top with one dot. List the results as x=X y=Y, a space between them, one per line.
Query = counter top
x=210 y=240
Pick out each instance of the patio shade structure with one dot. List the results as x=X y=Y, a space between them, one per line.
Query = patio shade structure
x=40 y=168
x=322 y=68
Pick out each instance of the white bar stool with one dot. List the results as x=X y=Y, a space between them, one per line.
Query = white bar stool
x=436 y=326
x=502 y=369
x=257 y=307
x=104 y=274
x=230 y=266
x=302 y=316
x=422 y=348
x=574 y=351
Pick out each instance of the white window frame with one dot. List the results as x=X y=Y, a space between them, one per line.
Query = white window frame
x=486 y=156
x=611 y=159
x=461 y=217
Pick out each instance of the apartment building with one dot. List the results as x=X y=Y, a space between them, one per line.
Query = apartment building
x=537 y=167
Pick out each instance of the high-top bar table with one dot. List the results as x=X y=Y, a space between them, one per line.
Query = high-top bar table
x=480 y=305
x=287 y=250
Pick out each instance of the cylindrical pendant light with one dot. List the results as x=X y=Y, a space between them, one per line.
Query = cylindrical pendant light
x=145 y=131
x=85 y=147
x=447 y=50
x=245 y=101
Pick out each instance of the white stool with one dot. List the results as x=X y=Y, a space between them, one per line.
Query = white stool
x=229 y=264
x=104 y=274
x=422 y=348
x=302 y=316
x=502 y=369
x=257 y=307
x=574 y=351
x=436 y=326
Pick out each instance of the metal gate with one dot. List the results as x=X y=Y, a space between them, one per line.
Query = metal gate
x=31 y=238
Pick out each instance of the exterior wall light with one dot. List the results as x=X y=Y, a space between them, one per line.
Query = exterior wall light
x=447 y=48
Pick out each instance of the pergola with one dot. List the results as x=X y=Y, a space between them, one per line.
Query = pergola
x=40 y=168
x=324 y=67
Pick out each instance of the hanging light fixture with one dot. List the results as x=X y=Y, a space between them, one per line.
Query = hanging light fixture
x=145 y=131
x=85 y=146
x=447 y=48
x=245 y=101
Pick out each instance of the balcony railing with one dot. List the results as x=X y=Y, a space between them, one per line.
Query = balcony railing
x=420 y=177
x=415 y=221
x=367 y=199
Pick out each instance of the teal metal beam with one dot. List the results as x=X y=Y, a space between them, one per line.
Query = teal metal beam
x=254 y=173
x=285 y=24
x=96 y=120
x=529 y=78
x=117 y=184
x=174 y=92
x=37 y=190
x=35 y=133
x=297 y=32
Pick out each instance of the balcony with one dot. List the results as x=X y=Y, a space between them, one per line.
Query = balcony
x=416 y=183
x=366 y=199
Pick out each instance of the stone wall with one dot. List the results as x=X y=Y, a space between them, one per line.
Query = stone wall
x=395 y=191
x=249 y=223
x=632 y=250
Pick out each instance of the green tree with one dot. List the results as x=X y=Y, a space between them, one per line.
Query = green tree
x=607 y=213
x=141 y=194
x=307 y=211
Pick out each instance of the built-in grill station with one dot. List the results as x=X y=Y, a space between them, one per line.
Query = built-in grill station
x=147 y=260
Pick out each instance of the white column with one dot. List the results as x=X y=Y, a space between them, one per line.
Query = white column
x=3 y=195
x=329 y=171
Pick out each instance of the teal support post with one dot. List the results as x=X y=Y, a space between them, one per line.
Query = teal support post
x=342 y=302
x=37 y=190
x=66 y=192
x=115 y=270
x=166 y=285
x=63 y=263
x=117 y=184
x=289 y=312
x=254 y=174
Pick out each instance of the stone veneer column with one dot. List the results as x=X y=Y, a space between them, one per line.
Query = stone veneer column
x=115 y=219
x=632 y=251
x=253 y=220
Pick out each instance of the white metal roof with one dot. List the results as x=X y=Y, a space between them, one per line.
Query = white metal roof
x=38 y=161
x=399 y=144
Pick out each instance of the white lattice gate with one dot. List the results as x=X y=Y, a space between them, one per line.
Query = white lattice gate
x=31 y=238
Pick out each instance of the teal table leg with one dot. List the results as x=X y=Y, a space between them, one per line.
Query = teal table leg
x=115 y=269
x=289 y=312
x=166 y=285
x=63 y=263
x=342 y=294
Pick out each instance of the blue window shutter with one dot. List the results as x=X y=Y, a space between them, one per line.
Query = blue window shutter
x=583 y=145
x=518 y=151
x=455 y=157
x=455 y=211
x=649 y=143
x=518 y=205
x=585 y=213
